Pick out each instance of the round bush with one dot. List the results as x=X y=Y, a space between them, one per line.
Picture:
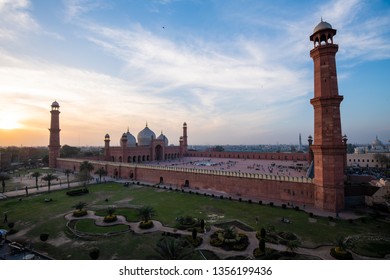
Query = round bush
x=80 y=213
x=146 y=225
x=340 y=254
x=110 y=218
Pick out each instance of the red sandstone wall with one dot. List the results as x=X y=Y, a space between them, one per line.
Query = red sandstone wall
x=267 y=190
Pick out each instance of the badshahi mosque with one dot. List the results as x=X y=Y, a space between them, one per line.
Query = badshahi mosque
x=324 y=190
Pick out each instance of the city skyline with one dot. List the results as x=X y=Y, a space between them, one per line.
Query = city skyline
x=235 y=72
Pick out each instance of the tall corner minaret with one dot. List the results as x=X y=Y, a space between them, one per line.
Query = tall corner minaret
x=328 y=149
x=185 y=143
x=54 y=141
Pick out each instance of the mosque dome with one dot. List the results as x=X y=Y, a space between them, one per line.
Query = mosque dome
x=322 y=26
x=55 y=104
x=131 y=141
x=163 y=137
x=376 y=142
x=145 y=136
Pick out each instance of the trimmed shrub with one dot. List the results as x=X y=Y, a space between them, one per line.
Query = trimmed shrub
x=311 y=215
x=240 y=199
x=94 y=253
x=146 y=225
x=43 y=237
x=77 y=192
x=296 y=208
x=262 y=245
x=250 y=201
x=330 y=218
x=271 y=204
x=284 y=206
x=80 y=213
x=340 y=254
x=260 y=202
x=110 y=218
x=262 y=233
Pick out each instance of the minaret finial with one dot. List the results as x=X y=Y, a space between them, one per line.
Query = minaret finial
x=146 y=123
x=127 y=129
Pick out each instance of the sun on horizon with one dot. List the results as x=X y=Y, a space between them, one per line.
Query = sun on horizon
x=9 y=121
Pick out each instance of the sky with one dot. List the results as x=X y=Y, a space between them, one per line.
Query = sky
x=236 y=71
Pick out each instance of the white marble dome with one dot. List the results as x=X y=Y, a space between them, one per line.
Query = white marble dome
x=146 y=136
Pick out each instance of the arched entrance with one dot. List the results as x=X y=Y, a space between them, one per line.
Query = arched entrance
x=158 y=153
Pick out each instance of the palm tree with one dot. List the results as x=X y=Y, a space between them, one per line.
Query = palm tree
x=67 y=173
x=3 y=178
x=169 y=248
x=80 y=206
x=340 y=244
x=49 y=177
x=85 y=170
x=292 y=246
x=36 y=174
x=145 y=213
x=101 y=172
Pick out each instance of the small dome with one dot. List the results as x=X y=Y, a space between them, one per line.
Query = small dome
x=131 y=141
x=107 y=136
x=322 y=26
x=163 y=137
x=145 y=136
x=55 y=104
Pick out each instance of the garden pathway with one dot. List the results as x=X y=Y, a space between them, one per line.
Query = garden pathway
x=321 y=252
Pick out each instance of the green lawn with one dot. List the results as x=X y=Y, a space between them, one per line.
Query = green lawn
x=33 y=216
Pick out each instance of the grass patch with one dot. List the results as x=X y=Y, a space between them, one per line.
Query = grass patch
x=89 y=226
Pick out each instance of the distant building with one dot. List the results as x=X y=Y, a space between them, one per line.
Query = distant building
x=365 y=156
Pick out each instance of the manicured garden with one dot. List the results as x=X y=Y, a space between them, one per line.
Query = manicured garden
x=45 y=213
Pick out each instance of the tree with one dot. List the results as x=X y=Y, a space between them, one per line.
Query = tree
x=101 y=172
x=145 y=213
x=80 y=205
x=49 y=177
x=69 y=151
x=262 y=245
x=85 y=170
x=67 y=173
x=36 y=174
x=4 y=177
x=169 y=248
x=382 y=159
x=292 y=246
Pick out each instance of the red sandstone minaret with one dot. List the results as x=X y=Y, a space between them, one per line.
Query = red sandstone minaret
x=185 y=144
x=328 y=149
x=54 y=142
x=107 y=154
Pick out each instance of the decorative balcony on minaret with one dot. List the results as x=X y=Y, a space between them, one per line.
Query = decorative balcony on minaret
x=329 y=150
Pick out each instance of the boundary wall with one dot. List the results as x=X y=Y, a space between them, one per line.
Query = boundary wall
x=296 y=190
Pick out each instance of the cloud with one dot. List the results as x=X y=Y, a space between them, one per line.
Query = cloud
x=14 y=18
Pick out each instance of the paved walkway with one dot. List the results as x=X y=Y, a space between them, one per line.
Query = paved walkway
x=322 y=252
